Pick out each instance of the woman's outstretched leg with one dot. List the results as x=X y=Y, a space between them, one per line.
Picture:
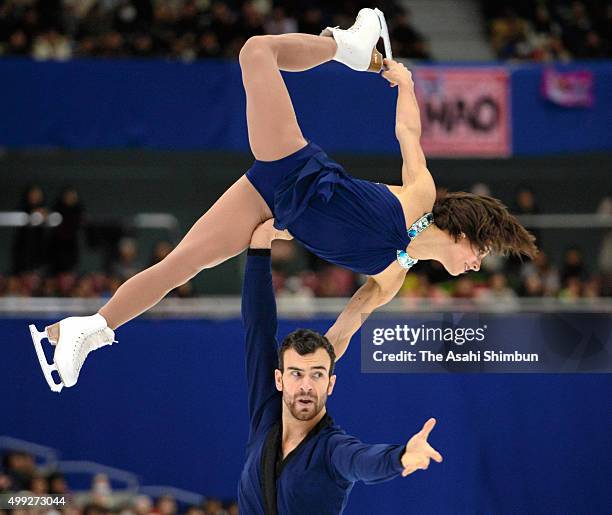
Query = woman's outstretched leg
x=221 y=233
x=274 y=132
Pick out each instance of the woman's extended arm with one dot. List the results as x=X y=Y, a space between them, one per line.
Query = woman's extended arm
x=374 y=293
x=407 y=124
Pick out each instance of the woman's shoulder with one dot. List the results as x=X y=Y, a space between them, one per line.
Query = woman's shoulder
x=416 y=198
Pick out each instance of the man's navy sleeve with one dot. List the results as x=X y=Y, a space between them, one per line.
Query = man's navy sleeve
x=353 y=460
x=260 y=324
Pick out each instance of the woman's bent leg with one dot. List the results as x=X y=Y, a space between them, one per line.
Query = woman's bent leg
x=274 y=132
x=222 y=232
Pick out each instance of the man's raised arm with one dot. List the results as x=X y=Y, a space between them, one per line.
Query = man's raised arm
x=260 y=324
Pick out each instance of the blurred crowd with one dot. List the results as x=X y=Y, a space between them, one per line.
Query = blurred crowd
x=549 y=30
x=19 y=474
x=539 y=30
x=180 y=29
x=46 y=259
x=46 y=262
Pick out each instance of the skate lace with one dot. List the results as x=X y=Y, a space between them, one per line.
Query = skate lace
x=88 y=341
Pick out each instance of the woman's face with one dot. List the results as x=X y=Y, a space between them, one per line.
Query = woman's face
x=464 y=257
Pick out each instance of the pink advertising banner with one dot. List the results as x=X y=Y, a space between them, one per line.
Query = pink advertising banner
x=568 y=89
x=464 y=111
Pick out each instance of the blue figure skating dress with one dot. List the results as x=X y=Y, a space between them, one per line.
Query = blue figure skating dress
x=350 y=222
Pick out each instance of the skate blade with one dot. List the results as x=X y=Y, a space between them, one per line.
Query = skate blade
x=37 y=337
x=384 y=33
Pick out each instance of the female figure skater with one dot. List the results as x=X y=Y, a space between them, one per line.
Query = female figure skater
x=361 y=225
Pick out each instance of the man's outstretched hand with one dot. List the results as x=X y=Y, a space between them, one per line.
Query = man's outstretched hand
x=418 y=452
x=265 y=232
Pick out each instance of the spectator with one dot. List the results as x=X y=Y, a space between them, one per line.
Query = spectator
x=66 y=282
x=101 y=493
x=57 y=484
x=547 y=274
x=64 y=240
x=532 y=286
x=166 y=505
x=547 y=31
x=142 y=505
x=20 y=467
x=573 y=266
x=223 y=24
x=38 y=485
x=19 y=43
x=311 y=22
x=509 y=35
x=280 y=23
x=415 y=286
x=52 y=45
x=406 y=41
x=251 y=21
x=498 y=289
x=6 y=484
x=184 y=291
x=161 y=249
x=142 y=45
x=84 y=288
x=213 y=506
x=209 y=45
x=464 y=288
x=572 y=289
x=126 y=265
x=336 y=282
x=525 y=202
x=29 y=246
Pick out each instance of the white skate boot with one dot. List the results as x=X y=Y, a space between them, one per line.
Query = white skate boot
x=78 y=336
x=357 y=45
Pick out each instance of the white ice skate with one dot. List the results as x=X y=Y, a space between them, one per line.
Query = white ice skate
x=78 y=336
x=357 y=44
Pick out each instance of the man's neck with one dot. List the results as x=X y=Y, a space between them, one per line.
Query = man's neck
x=295 y=430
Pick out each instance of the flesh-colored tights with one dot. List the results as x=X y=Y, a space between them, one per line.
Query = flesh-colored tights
x=225 y=229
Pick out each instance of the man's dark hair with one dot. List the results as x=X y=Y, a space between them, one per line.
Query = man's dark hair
x=485 y=221
x=306 y=341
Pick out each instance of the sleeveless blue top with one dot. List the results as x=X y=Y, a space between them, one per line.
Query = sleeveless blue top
x=350 y=222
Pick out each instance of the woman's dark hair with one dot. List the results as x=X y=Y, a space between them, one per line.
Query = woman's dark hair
x=305 y=341
x=486 y=223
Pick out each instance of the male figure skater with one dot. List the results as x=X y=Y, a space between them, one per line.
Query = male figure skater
x=298 y=460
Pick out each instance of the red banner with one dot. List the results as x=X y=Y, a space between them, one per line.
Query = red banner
x=464 y=111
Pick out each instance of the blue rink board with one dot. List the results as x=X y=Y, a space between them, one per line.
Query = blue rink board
x=152 y=103
x=169 y=403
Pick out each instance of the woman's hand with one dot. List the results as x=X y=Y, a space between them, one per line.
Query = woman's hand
x=265 y=232
x=397 y=74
